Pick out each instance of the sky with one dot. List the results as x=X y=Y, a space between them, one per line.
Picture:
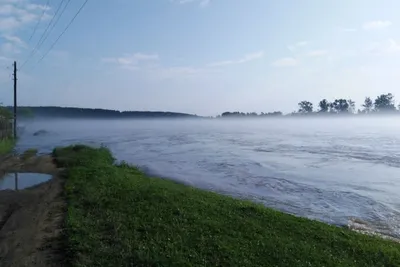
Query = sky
x=199 y=56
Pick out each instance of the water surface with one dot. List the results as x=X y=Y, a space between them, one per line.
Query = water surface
x=19 y=181
x=332 y=170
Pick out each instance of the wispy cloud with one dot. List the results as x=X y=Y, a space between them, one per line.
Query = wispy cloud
x=317 y=53
x=12 y=45
x=246 y=58
x=202 y=3
x=285 y=62
x=9 y=48
x=388 y=46
x=15 y=40
x=15 y=14
x=132 y=60
x=150 y=64
x=297 y=45
x=376 y=25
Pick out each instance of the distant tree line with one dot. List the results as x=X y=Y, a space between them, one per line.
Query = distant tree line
x=72 y=112
x=383 y=103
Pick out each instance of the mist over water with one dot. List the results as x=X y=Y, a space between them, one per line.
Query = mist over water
x=334 y=170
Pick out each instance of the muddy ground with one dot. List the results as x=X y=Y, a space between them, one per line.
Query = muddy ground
x=31 y=220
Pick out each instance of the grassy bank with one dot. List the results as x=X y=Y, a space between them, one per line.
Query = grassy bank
x=6 y=146
x=117 y=216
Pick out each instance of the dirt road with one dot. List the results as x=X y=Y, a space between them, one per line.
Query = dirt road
x=31 y=219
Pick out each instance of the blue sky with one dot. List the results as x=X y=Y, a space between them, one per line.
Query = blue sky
x=202 y=57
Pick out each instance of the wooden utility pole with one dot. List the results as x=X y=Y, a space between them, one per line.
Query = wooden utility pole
x=15 y=99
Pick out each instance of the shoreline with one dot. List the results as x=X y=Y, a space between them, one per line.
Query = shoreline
x=137 y=218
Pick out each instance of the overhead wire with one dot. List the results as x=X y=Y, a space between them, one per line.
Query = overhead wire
x=62 y=33
x=55 y=23
x=39 y=43
x=39 y=20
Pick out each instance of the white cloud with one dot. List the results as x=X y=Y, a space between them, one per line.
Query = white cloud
x=376 y=25
x=37 y=7
x=131 y=60
x=246 y=58
x=16 y=14
x=202 y=3
x=9 y=48
x=297 y=45
x=205 y=3
x=388 y=46
x=150 y=65
x=317 y=53
x=138 y=60
x=285 y=62
x=15 y=40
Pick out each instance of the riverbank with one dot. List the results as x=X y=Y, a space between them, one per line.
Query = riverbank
x=116 y=216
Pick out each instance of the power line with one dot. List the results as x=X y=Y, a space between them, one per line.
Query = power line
x=33 y=52
x=55 y=23
x=40 y=18
x=62 y=33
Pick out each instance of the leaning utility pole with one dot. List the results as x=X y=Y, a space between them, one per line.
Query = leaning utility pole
x=15 y=99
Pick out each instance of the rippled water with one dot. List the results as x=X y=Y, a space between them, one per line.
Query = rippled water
x=334 y=170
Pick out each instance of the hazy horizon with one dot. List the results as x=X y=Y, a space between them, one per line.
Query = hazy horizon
x=194 y=57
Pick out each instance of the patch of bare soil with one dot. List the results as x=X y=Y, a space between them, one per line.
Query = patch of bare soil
x=31 y=220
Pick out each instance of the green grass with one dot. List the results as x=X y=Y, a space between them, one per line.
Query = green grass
x=6 y=146
x=117 y=216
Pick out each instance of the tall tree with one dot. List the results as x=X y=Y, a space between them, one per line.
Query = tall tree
x=340 y=106
x=323 y=105
x=384 y=103
x=305 y=107
x=368 y=105
x=352 y=106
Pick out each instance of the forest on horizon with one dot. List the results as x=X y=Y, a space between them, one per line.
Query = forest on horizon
x=382 y=104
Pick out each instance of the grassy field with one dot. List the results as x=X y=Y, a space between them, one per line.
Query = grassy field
x=117 y=216
x=6 y=146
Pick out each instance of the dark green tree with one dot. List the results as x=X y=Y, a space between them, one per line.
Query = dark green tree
x=340 y=106
x=305 y=107
x=323 y=105
x=384 y=103
x=368 y=105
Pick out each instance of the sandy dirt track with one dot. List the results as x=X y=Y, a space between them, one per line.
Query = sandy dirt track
x=31 y=220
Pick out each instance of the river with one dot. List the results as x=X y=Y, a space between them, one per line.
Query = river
x=334 y=170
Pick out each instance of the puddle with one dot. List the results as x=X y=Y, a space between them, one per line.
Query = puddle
x=19 y=181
